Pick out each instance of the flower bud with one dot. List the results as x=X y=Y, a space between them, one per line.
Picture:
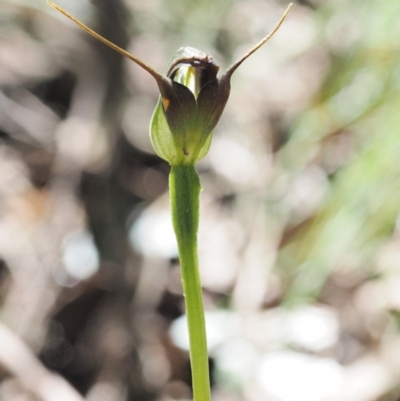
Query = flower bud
x=189 y=107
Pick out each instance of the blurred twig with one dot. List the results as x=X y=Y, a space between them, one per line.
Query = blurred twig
x=20 y=361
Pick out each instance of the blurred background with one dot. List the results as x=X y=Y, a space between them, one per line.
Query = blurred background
x=300 y=230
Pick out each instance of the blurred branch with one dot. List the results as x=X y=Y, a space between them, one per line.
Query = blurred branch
x=19 y=360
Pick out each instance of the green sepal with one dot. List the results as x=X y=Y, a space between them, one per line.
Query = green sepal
x=161 y=136
x=176 y=149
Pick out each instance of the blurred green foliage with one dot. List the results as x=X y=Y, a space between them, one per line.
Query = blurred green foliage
x=359 y=100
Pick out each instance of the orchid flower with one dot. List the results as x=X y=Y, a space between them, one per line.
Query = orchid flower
x=192 y=99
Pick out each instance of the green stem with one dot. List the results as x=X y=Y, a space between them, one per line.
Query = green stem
x=185 y=190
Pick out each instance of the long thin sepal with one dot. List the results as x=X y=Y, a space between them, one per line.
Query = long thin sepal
x=154 y=73
x=236 y=64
